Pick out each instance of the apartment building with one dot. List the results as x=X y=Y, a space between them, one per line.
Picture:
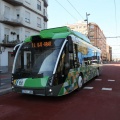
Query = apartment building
x=80 y=26
x=94 y=33
x=98 y=39
x=109 y=53
x=18 y=20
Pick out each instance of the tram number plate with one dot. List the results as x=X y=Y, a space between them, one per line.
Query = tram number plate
x=27 y=91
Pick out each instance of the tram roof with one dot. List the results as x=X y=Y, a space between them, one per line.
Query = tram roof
x=59 y=32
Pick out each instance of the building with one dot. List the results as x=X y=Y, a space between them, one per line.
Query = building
x=109 y=53
x=18 y=20
x=98 y=39
x=80 y=26
x=94 y=33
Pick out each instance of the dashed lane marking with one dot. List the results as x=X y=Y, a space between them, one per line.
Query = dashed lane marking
x=98 y=79
x=89 y=88
x=111 y=80
x=109 y=89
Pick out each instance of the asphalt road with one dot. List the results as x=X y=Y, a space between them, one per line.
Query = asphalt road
x=98 y=100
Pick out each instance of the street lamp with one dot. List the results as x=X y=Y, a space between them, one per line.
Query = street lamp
x=87 y=21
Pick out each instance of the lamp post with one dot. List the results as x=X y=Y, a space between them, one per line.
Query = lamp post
x=87 y=22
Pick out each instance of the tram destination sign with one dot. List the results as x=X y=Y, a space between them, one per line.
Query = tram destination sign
x=37 y=42
x=41 y=44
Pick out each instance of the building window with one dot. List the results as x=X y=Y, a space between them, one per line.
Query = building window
x=38 y=22
x=7 y=13
x=27 y=17
x=92 y=26
x=91 y=36
x=27 y=34
x=38 y=5
x=6 y=35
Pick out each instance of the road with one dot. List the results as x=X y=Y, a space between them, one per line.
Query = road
x=98 y=100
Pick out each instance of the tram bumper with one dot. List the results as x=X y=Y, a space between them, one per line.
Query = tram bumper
x=35 y=86
x=44 y=91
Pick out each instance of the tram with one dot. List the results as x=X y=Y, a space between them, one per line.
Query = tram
x=54 y=63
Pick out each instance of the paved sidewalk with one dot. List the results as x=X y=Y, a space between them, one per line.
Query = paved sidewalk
x=5 y=83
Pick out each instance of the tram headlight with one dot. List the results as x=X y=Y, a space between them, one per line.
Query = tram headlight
x=50 y=90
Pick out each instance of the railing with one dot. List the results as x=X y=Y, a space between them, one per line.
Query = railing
x=6 y=41
x=9 y=20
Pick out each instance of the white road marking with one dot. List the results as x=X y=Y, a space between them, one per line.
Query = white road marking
x=109 y=89
x=111 y=80
x=98 y=79
x=88 y=88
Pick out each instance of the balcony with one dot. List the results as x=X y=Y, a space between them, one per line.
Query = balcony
x=7 y=43
x=45 y=16
x=45 y=3
x=14 y=2
x=11 y=21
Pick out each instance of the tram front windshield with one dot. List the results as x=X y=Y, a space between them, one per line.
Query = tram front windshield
x=37 y=61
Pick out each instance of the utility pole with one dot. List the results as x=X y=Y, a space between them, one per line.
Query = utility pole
x=87 y=23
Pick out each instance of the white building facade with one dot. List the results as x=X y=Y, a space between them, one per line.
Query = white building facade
x=18 y=20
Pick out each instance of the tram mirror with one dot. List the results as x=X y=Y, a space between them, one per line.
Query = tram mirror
x=70 y=44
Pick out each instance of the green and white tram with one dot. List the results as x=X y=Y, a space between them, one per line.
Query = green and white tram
x=54 y=63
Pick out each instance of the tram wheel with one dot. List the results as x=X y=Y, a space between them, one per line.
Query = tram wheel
x=80 y=82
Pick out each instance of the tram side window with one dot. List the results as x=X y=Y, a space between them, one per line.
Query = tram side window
x=61 y=63
x=64 y=60
x=63 y=66
x=71 y=60
x=92 y=57
x=83 y=54
x=89 y=56
x=97 y=58
x=75 y=53
x=80 y=58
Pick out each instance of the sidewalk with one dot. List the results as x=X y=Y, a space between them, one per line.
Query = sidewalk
x=5 y=83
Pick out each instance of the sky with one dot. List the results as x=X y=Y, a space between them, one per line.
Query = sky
x=105 y=13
